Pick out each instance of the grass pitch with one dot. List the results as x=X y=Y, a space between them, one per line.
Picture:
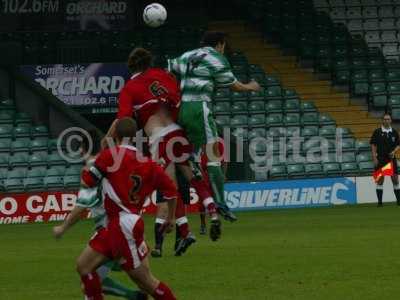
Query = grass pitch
x=324 y=253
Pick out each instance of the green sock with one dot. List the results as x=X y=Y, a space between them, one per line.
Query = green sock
x=217 y=179
x=112 y=287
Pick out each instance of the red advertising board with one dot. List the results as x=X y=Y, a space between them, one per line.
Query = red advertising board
x=53 y=206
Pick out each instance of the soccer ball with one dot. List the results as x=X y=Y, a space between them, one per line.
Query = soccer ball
x=154 y=15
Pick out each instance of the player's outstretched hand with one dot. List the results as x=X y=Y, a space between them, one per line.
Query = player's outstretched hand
x=58 y=232
x=254 y=85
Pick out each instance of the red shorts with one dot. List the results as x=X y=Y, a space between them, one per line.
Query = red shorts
x=170 y=145
x=122 y=240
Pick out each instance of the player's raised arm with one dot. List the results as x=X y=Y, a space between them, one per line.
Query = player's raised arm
x=72 y=218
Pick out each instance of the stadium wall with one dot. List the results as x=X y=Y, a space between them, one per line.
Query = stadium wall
x=241 y=196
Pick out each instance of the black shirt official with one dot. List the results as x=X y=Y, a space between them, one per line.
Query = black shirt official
x=384 y=145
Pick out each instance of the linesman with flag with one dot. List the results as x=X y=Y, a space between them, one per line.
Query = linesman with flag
x=385 y=143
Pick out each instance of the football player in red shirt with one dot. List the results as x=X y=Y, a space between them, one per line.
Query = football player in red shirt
x=152 y=95
x=127 y=178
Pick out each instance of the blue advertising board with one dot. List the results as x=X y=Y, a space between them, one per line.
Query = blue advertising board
x=291 y=193
x=96 y=84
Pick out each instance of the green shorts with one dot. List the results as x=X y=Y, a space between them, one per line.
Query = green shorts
x=197 y=120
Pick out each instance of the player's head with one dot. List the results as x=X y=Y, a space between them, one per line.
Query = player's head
x=90 y=143
x=125 y=130
x=139 y=60
x=215 y=39
x=387 y=120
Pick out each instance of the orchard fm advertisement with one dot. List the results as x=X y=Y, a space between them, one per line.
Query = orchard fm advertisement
x=66 y=14
x=96 y=84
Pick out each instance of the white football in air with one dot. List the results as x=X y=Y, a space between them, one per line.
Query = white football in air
x=154 y=15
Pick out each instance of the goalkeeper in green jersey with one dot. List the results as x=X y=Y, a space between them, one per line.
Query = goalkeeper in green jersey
x=91 y=199
x=200 y=71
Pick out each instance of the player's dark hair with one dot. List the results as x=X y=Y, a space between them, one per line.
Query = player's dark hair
x=387 y=114
x=91 y=142
x=213 y=38
x=139 y=60
x=125 y=128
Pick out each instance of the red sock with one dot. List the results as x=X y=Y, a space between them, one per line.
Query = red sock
x=92 y=286
x=203 y=190
x=163 y=292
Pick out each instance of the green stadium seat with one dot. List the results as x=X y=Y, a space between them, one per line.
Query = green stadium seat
x=366 y=167
x=239 y=121
x=325 y=119
x=377 y=75
x=278 y=172
x=19 y=159
x=276 y=132
x=362 y=146
x=271 y=81
x=6 y=117
x=359 y=88
x=72 y=182
x=6 y=131
x=348 y=144
x=313 y=144
x=38 y=159
x=22 y=118
x=274 y=120
x=241 y=133
x=17 y=173
x=394 y=101
x=393 y=75
x=22 y=131
x=395 y=113
x=309 y=131
x=292 y=119
x=341 y=77
x=239 y=107
x=289 y=94
x=53 y=182
x=5 y=145
x=260 y=95
x=313 y=170
x=331 y=169
x=39 y=144
x=295 y=171
x=55 y=159
x=222 y=95
x=256 y=107
x=349 y=168
x=222 y=108
x=328 y=131
x=223 y=121
x=14 y=185
x=257 y=132
x=347 y=157
x=40 y=131
x=255 y=69
x=21 y=144
x=364 y=156
x=292 y=105
x=7 y=104
x=379 y=102
x=257 y=120
x=239 y=96
x=310 y=119
x=293 y=131
x=33 y=184
x=344 y=132
x=307 y=106
x=274 y=106
x=4 y=160
x=377 y=88
x=39 y=171
x=273 y=93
